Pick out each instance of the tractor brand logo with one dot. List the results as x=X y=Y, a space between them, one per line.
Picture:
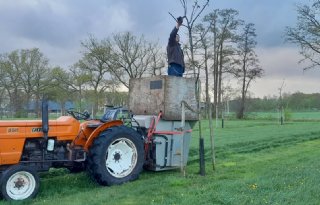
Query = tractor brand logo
x=13 y=129
x=36 y=129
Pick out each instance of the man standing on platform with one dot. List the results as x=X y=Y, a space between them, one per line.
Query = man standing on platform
x=175 y=55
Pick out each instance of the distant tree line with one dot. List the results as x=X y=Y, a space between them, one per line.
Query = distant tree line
x=92 y=82
x=293 y=102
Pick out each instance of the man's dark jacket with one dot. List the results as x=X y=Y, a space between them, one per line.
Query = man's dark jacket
x=174 y=51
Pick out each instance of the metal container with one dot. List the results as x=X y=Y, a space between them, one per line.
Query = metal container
x=149 y=96
x=169 y=147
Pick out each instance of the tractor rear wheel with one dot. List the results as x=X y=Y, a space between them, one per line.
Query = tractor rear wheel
x=19 y=183
x=116 y=156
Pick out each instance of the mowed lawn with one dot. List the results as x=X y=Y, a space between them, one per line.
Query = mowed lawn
x=257 y=162
x=294 y=116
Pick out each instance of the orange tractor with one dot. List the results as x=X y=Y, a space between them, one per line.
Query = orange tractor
x=111 y=152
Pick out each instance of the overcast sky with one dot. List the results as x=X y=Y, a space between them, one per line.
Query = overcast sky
x=58 y=26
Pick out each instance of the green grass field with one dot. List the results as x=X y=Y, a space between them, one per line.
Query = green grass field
x=293 y=116
x=257 y=162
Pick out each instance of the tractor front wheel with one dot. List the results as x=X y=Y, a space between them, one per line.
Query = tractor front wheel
x=19 y=183
x=116 y=156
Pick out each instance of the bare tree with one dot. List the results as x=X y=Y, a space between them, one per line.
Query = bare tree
x=227 y=25
x=72 y=82
x=191 y=18
x=97 y=65
x=113 y=61
x=157 y=60
x=223 y=26
x=228 y=92
x=133 y=57
x=247 y=65
x=306 y=33
x=203 y=51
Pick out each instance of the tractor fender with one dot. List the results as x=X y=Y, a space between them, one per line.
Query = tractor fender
x=100 y=129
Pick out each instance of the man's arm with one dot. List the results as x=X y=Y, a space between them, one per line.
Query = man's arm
x=173 y=34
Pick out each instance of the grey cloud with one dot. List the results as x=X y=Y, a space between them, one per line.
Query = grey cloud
x=39 y=23
x=47 y=23
x=57 y=27
x=284 y=62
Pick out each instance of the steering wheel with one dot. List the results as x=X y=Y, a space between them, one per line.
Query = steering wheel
x=78 y=115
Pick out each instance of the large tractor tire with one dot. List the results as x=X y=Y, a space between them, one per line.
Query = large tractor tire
x=19 y=183
x=116 y=156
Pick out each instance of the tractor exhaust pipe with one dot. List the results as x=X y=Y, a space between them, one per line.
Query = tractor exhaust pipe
x=45 y=120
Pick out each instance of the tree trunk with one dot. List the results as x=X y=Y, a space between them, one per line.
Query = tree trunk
x=192 y=55
x=240 y=114
x=207 y=83
x=37 y=106
x=215 y=77
x=220 y=80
